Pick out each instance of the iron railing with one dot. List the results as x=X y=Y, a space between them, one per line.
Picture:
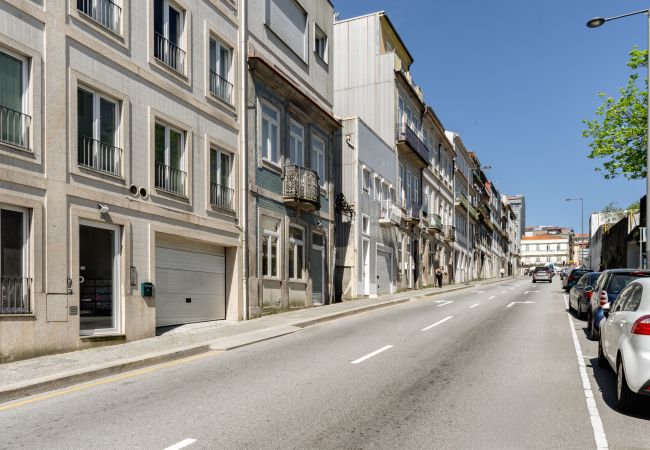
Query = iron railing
x=221 y=196
x=170 y=179
x=221 y=87
x=413 y=211
x=407 y=134
x=14 y=127
x=449 y=232
x=301 y=184
x=169 y=53
x=14 y=295
x=99 y=156
x=104 y=12
x=435 y=222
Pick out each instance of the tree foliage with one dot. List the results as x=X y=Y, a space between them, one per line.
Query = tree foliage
x=618 y=134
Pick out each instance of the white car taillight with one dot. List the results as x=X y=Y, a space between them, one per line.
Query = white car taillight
x=642 y=326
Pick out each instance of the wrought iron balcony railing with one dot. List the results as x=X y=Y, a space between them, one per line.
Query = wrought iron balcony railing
x=104 y=12
x=435 y=223
x=14 y=127
x=170 y=179
x=449 y=232
x=221 y=196
x=413 y=211
x=390 y=213
x=169 y=53
x=221 y=87
x=406 y=134
x=15 y=295
x=301 y=185
x=99 y=156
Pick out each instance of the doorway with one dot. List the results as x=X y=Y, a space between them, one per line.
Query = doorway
x=317 y=268
x=365 y=266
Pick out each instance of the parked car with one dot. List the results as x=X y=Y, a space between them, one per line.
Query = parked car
x=625 y=342
x=580 y=294
x=572 y=278
x=609 y=285
x=542 y=274
x=563 y=273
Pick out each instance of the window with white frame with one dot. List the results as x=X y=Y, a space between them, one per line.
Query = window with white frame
x=318 y=157
x=269 y=251
x=296 y=252
x=366 y=181
x=221 y=190
x=408 y=188
x=320 y=43
x=270 y=133
x=220 y=70
x=107 y=13
x=288 y=21
x=170 y=174
x=400 y=109
x=296 y=143
x=98 y=132
x=365 y=224
x=400 y=252
x=169 y=34
x=14 y=278
x=15 y=122
x=377 y=188
x=401 y=185
x=416 y=190
x=385 y=196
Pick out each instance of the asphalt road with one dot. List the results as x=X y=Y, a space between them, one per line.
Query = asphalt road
x=469 y=369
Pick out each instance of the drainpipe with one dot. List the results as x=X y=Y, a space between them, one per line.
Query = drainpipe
x=243 y=145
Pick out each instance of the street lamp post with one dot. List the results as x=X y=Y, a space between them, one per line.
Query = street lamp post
x=582 y=223
x=594 y=23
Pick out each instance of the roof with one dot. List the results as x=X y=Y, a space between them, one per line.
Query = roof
x=543 y=237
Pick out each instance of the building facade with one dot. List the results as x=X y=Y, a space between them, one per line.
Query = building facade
x=540 y=249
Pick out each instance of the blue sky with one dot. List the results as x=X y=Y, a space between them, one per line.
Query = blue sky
x=515 y=78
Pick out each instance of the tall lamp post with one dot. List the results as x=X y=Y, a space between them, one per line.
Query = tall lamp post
x=594 y=23
x=582 y=222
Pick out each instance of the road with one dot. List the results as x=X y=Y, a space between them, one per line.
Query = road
x=490 y=367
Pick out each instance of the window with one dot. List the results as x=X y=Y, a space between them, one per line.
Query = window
x=318 y=157
x=270 y=133
x=400 y=109
x=270 y=238
x=399 y=257
x=221 y=191
x=289 y=22
x=320 y=43
x=170 y=159
x=402 y=187
x=365 y=224
x=416 y=191
x=296 y=143
x=408 y=188
x=377 y=182
x=296 y=252
x=15 y=122
x=220 y=67
x=366 y=181
x=107 y=13
x=635 y=298
x=168 y=44
x=385 y=195
x=14 y=283
x=98 y=122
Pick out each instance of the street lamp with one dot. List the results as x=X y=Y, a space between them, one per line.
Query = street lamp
x=582 y=218
x=594 y=23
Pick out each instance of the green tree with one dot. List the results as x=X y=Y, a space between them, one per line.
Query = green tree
x=635 y=206
x=618 y=133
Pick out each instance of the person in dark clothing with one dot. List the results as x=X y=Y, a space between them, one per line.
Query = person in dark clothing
x=439 y=276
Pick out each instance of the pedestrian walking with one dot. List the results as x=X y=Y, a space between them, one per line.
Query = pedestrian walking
x=502 y=272
x=439 y=274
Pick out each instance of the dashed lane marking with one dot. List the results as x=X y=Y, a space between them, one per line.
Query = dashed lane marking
x=474 y=305
x=511 y=304
x=445 y=303
x=437 y=323
x=491 y=297
x=182 y=444
x=370 y=355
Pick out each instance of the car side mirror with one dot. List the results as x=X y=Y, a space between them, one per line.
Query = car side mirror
x=606 y=308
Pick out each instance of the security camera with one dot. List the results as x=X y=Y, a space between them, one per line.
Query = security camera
x=103 y=209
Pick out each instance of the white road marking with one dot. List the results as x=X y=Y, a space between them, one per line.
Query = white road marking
x=474 y=305
x=182 y=444
x=511 y=289
x=478 y=292
x=596 y=423
x=437 y=323
x=513 y=303
x=445 y=303
x=370 y=355
x=491 y=297
x=503 y=292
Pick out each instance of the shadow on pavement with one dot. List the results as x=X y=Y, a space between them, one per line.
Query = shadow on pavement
x=606 y=380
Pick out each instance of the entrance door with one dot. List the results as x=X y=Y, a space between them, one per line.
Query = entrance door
x=416 y=263
x=98 y=279
x=384 y=275
x=317 y=268
x=365 y=266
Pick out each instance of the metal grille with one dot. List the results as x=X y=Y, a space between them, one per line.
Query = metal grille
x=169 y=53
x=100 y=156
x=170 y=179
x=14 y=295
x=221 y=87
x=14 y=127
x=104 y=12
x=221 y=196
x=301 y=184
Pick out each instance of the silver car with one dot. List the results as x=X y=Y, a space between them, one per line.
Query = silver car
x=625 y=342
x=542 y=274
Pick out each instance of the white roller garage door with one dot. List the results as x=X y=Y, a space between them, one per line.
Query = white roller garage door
x=190 y=285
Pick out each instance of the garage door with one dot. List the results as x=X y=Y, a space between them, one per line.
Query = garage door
x=190 y=285
x=383 y=271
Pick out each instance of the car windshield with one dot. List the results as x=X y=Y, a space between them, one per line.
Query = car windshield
x=620 y=280
x=579 y=273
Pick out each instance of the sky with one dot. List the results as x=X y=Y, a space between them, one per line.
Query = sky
x=515 y=79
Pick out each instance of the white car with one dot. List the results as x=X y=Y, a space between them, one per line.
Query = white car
x=625 y=342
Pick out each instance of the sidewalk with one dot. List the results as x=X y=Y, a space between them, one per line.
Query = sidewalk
x=32 y=376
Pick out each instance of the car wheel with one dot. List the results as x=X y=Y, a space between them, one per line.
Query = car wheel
x=593 y=334
x=602 y=361
x=625 y=398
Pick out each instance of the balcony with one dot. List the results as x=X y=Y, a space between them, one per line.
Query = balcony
x=169 y=53
x=221 y=196
x=170 y=179
x=14 y=295
x=104 y=12
x=14 y=127
x=221 y=87
x=435 y=224
x=413 y=212
x=449 y=233
x=390 y=214
x=301 y=188
x=99 y=156
x=461 y=200
x=410 y=143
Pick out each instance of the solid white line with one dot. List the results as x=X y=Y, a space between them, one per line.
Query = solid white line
x=437 y=323
x=596 y=423
x=182 y=444
x=491 y=297
x=370 y=355
x=474 y=305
